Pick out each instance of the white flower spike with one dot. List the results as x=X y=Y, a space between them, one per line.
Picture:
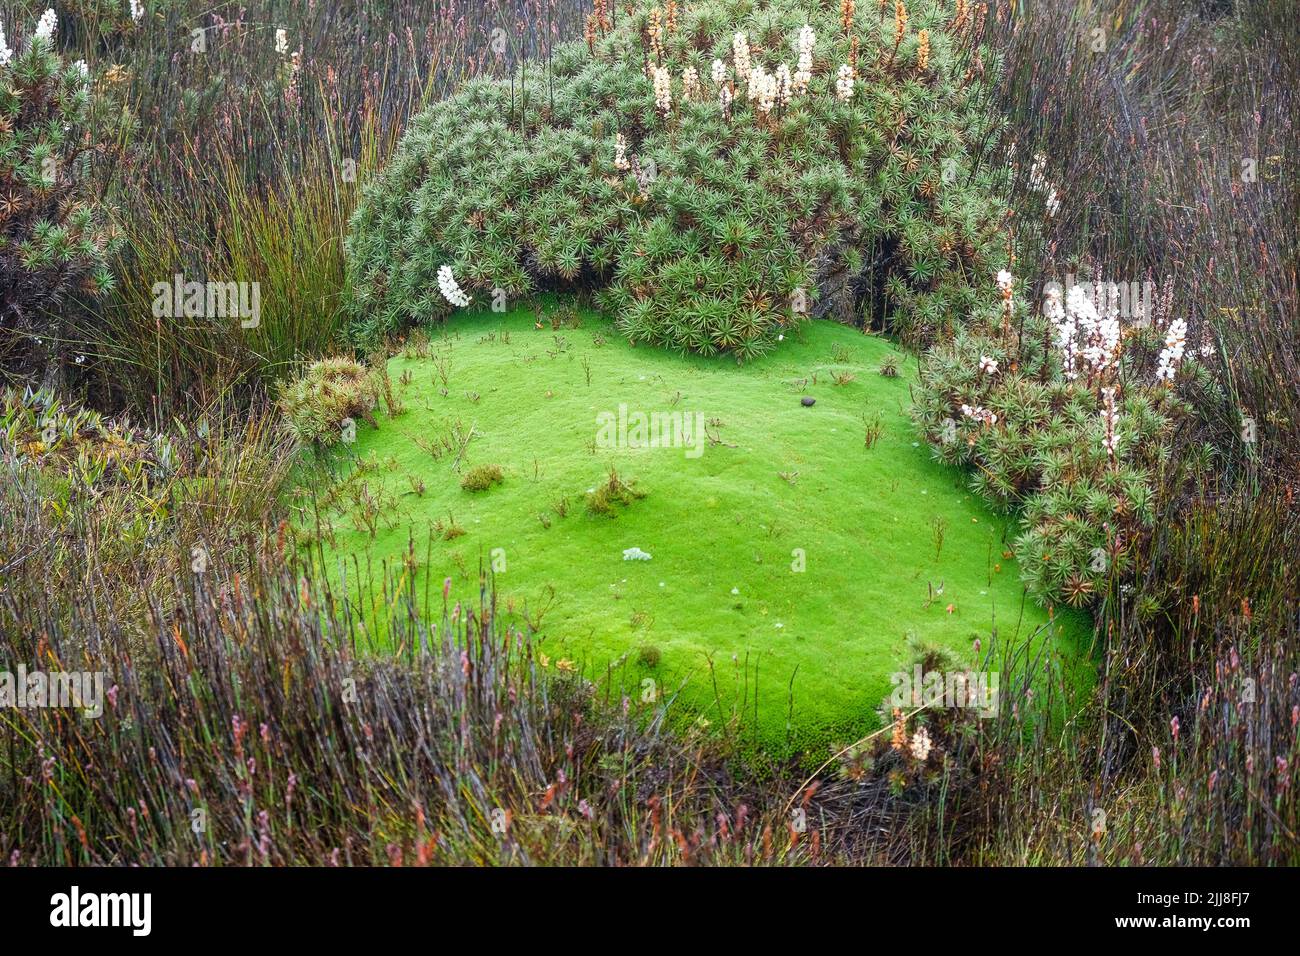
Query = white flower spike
x=450 y=288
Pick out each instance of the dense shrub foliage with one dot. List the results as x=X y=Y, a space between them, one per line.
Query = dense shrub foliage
x=54 y=242
x=1066 y=416
x=332 y=391
x=716 y=170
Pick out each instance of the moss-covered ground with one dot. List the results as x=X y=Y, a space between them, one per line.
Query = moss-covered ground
x=798 y=553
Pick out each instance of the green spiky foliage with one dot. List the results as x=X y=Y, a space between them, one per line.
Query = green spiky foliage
x=331 y=391
x=1082 y=508
x=721 y=227
x=55 y=242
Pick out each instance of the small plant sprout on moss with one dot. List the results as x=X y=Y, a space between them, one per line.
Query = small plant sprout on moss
x=613 y=491
x=482 y=477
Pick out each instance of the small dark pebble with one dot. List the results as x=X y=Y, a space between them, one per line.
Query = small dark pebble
x=808 y=401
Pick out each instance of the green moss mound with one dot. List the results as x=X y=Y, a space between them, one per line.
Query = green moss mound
x=706 y=226
x=796 y=553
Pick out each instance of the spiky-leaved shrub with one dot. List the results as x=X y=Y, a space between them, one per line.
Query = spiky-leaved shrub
x=54 y=240
x=715 y=169
x=318 y=405
x=1070 y=432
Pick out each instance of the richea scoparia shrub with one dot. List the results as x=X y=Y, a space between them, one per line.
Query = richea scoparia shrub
x=716 y=170
x=55 y=242
x=1065 y=416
